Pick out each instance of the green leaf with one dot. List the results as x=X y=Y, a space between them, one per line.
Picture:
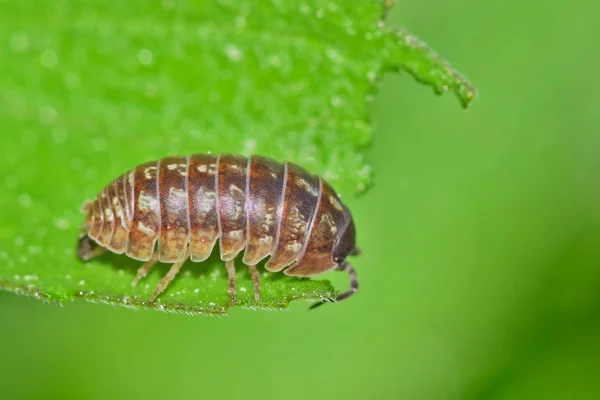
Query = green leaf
x=411 y=54
x=91 y=89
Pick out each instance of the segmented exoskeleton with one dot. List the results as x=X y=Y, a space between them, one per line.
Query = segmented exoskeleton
x=178 y=207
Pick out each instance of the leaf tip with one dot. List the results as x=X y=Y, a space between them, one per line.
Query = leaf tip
x=411 y=54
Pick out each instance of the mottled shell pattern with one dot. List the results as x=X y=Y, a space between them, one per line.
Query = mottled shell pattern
x=180 y=206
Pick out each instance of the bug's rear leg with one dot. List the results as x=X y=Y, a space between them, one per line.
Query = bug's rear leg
x=255 y=281
x=230 y=265
x=164 y=282
x=87 y=248
x=353 y=285
x=144 y=269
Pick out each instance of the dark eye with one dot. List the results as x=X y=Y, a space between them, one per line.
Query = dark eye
x=338 y=259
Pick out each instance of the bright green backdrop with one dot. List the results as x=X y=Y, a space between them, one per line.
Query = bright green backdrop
x=479 y=275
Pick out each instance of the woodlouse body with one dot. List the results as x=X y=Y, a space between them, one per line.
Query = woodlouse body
x=178 y=207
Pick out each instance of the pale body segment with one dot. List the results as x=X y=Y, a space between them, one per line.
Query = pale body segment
x=177 y=208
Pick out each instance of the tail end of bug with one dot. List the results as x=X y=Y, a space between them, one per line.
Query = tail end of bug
x=343 y=296
x=87 y=209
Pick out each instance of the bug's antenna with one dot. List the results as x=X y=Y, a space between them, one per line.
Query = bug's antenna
x=353 y=286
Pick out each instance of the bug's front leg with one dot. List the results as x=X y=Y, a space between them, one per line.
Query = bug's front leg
x=353 y=285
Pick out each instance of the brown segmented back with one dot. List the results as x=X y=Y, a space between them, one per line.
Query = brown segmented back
x=145 y=224
x=202 y=195
x=178 y=207
x=263 y=207
x=118 y=243
x=128 y=193
x=330 y=218
x=173 y=197
x=94 y=220
x=298 y=206
x=108 y=222
x=231 y=200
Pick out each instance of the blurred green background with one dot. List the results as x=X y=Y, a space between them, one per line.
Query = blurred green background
x=479 y=274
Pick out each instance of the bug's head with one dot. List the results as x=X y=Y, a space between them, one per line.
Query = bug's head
x=346 y=243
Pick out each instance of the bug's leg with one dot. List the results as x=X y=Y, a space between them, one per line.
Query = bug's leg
x=353 y=285
x=164 y=282
x=353 y=282
x=143 y=270
x=230 y=265
x=88 y=249
x=255 y=281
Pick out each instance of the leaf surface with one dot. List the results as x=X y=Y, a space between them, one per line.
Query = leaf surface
x=90 y=89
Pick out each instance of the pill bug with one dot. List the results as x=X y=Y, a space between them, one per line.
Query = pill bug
x=177 y=208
